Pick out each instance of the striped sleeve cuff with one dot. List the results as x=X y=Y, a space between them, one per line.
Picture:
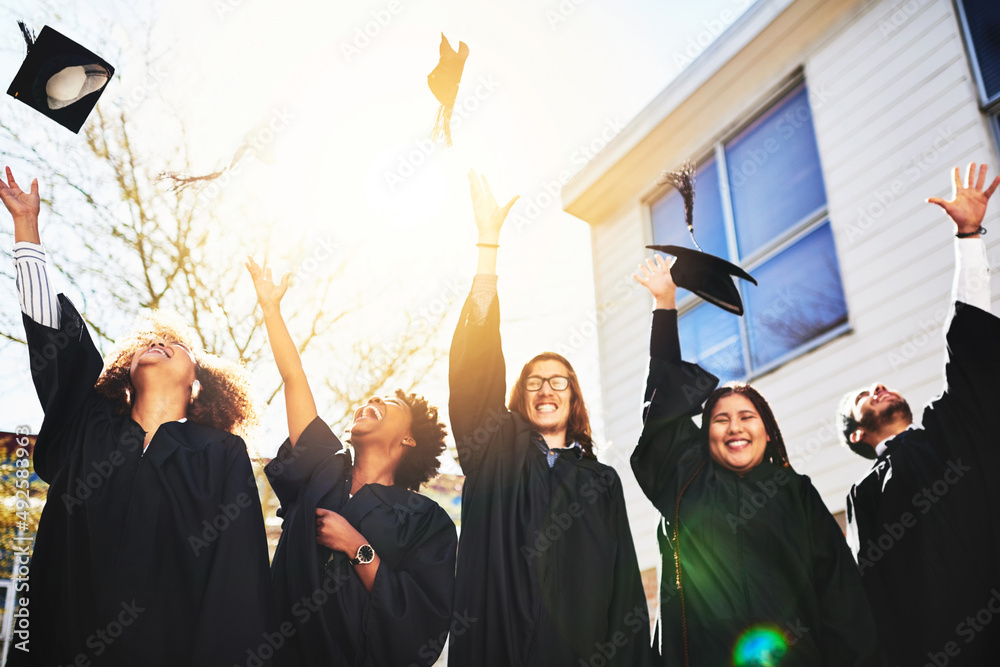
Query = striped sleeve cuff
x=34 y=289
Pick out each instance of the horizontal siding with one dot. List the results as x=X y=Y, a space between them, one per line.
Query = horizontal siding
x=893 y=111
x=898 y=110
x=623 y=343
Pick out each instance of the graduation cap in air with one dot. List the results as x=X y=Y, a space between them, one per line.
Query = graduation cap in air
x=443 y=82
x=708 y=276
x=60 y=78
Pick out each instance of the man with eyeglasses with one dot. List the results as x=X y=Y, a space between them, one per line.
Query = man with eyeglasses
x=546 y=563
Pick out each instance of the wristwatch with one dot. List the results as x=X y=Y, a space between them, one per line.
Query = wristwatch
x=365 y=555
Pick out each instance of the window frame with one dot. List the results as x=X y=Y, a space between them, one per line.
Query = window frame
x=716 y=149
x=990 y=107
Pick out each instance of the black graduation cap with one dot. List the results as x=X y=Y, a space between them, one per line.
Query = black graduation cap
x=706 y=275
x=443 y=82
x=60 y=78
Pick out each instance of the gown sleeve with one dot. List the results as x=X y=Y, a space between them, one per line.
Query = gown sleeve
x=236 y=611
x=973 y=365
x=848 y=636
x=292 y=468
x=409 y=612
x=628 y=613
x=65 y=365
x=477 y=383
x=675 y=391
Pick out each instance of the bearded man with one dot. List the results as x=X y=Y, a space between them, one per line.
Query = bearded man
x=923 y=522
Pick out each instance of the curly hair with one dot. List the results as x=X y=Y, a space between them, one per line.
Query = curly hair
x=775 y=451
x=224 y=402
x=578 y=428
x=420 y=463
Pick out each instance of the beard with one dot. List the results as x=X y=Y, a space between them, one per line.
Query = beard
x=872 y=423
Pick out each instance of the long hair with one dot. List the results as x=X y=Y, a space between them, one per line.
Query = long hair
x=420 y=463
x=775 y=451
x=225 y=401
x=578 y=428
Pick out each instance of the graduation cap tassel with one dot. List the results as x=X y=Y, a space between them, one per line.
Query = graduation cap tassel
x=442 y=125
x=29 y=37
x=708 y=276
x=683 y=180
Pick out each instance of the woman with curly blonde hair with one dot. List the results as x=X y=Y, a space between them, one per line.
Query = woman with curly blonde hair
x=151 y=548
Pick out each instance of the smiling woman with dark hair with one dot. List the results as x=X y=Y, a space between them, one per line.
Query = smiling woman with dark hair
x=151 y=549
x=546 y=560
x=755 y=569
x=365 y=569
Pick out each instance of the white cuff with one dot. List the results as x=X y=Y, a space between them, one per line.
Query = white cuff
x=34 y=289
x=972 y=274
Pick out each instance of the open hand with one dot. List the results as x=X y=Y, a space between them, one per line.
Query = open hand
x=489 y=216
x=655 y=276
x=23 y=207
x=269 y=294
x=968 y=205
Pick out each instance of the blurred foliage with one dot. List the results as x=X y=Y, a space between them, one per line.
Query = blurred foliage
x=17 y=519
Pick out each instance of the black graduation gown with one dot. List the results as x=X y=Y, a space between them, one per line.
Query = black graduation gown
x=155 y=558
x=756 y=551
x=546 y=565
x=923 y=522
x=326 y=613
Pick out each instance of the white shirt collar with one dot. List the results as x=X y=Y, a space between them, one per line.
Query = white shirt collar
x=882 y=446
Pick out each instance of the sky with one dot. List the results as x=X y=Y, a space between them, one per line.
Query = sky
x=343 y=85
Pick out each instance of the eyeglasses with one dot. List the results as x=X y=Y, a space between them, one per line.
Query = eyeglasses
x=556 y=382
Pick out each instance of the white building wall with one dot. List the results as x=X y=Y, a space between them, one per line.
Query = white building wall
x=894 y=108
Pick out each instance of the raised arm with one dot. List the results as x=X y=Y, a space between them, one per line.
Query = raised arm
x=65 y=364
x=300 y=406
x=489 y=221
x=35 y=291
x=966 y=210
x=476 y=371
x=967 y=207
x=23 y=207
x=675 y=391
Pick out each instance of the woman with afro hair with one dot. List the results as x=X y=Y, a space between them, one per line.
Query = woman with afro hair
x=151 y=547
x=364 y=572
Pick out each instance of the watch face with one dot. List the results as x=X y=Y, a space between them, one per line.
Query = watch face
x=366 y=554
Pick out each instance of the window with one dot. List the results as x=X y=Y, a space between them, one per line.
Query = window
x=761 y=203
x=981 y=24
x=980 y=21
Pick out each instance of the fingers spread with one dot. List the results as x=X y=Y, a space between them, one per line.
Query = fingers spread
x=506 y=209
x=486 y=189
x=989 y=191
x=474 y=187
